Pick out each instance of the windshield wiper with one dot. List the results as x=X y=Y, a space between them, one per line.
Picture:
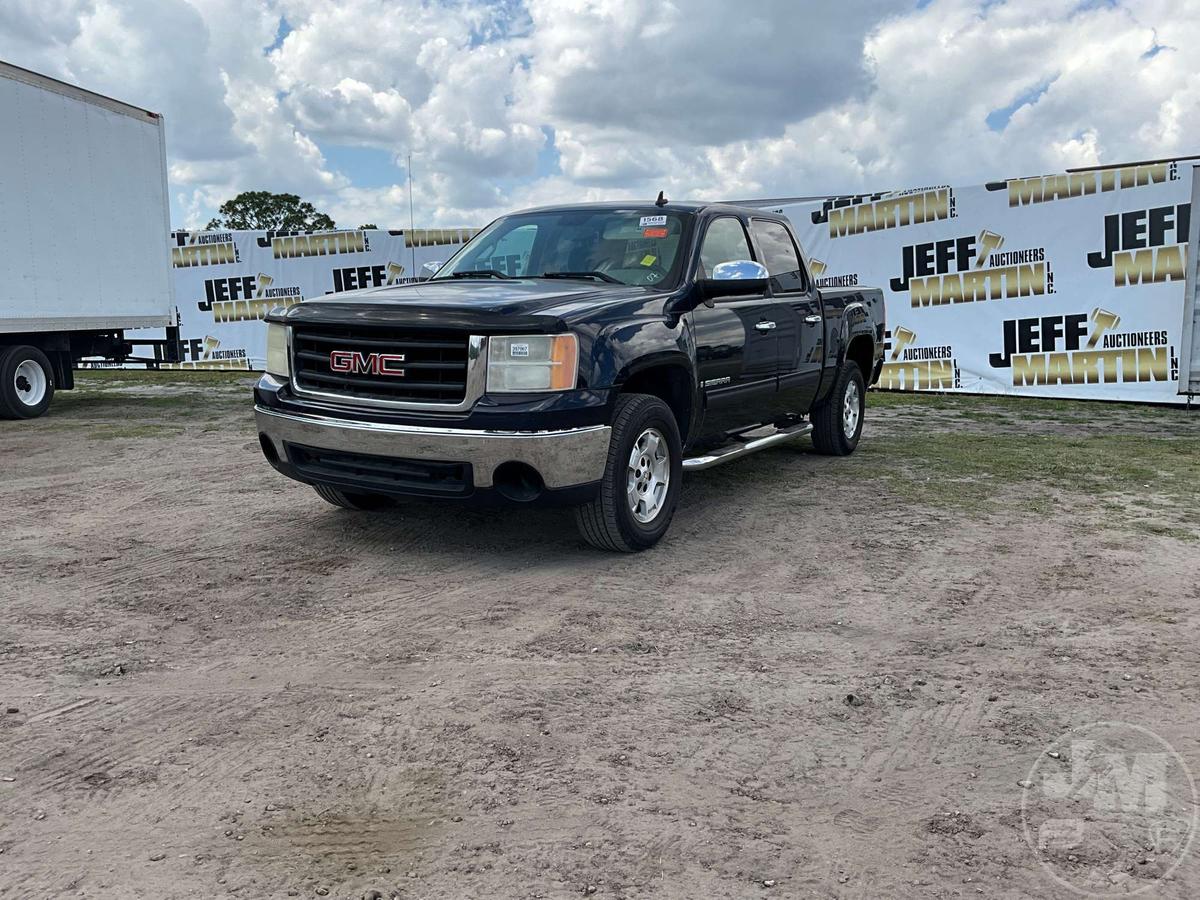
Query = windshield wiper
x=479 y=273
x=603 y=276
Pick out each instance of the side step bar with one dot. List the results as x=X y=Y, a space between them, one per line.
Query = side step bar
x=746 y=446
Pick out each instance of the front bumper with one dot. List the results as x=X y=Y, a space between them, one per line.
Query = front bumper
x=562 y=459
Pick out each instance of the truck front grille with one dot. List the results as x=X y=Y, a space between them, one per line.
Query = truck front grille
x=433 y=363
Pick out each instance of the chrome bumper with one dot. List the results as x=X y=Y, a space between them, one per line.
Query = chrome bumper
x=562 y=458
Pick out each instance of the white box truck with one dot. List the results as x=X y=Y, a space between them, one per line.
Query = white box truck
x=1189 y=361
x=84 y=224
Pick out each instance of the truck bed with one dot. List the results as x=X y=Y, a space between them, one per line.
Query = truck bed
x=837 y=301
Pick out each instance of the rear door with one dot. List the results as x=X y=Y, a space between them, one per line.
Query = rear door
x=797 y=312
x=736 y=351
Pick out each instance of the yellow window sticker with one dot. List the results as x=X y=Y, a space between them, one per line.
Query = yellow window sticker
x=649 y=260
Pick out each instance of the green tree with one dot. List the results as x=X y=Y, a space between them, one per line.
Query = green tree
x=264 y=211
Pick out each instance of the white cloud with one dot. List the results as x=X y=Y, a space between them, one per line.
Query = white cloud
x=353 y=112
x=35 y=32
x=134 y=46
x=699 y=72
x=517 y=103
x=938 y=73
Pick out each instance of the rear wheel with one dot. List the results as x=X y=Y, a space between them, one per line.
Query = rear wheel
x=26 y=382
x=352 y=499
x=838 y=421
x=641 y=483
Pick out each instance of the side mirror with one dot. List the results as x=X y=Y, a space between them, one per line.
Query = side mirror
x=429 y=269
x=735 y=278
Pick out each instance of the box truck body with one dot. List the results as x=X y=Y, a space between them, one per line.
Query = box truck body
x=84 y=223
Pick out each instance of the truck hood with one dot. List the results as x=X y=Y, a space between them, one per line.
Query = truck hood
x=491 y=305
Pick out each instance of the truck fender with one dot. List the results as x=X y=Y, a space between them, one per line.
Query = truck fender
x=855 y=322
x=622 y=350
x=625 y=351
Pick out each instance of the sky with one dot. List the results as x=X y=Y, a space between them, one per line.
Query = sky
x=515 y=103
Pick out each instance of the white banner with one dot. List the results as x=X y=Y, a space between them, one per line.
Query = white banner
x=1067 y=285
x=227 y=281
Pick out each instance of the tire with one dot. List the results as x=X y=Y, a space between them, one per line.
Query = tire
x=26 y=382
x=838 y=421
x=609 y=522
x=351 y=499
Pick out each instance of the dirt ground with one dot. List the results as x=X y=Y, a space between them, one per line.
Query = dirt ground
x=829 y=680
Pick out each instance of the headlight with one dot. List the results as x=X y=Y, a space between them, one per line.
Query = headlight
x=278 y=363
x=532 y=362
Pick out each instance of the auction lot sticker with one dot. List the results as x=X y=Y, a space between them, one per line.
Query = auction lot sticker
x=1110 y=809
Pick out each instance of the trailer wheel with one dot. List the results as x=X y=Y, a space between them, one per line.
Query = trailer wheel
x=26 y=382
x=352 y=500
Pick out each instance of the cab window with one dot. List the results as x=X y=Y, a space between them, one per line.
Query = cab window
x=635 y=245
x=510 y=254
x=779 y=256
x=725 y=241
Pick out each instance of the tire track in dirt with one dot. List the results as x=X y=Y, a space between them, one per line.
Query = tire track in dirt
x=119 y=734
x=910 y=743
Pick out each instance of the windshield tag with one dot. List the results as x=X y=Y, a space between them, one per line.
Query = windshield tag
x=654 y=232
x=652 y=220
x=518 y=350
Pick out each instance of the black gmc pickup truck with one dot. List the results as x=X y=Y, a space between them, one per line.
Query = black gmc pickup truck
x=583 y=355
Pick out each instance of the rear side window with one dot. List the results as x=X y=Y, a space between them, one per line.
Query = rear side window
x=779 y=256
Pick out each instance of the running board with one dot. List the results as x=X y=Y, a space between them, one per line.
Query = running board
x=745 y=447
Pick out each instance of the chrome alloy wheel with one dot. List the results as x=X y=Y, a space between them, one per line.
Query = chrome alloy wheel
x=30 y=382
x=851 y=409
x=647 y=475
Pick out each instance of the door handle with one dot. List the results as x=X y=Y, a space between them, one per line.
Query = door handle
x=813 y=320
x=764 y=326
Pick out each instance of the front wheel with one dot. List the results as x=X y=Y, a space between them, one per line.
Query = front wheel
x=26 y=382
x=641 y=483
x=838 y=421
x=351 y=499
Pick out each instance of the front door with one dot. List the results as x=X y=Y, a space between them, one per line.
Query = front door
x=737 y=352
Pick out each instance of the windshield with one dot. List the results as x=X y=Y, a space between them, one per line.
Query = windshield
x=627 y=246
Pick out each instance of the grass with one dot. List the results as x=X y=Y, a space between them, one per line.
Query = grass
x=98 y=379
x=1017 y=406
x=131 y=432
x=173 y=401
x=1127 y=466
x=132 y=392
x=1149 y=484
x=1094 y=464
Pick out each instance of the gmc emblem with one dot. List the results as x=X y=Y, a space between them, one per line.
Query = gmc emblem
x=356 y=363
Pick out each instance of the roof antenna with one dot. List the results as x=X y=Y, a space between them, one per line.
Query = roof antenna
x=661 y=201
